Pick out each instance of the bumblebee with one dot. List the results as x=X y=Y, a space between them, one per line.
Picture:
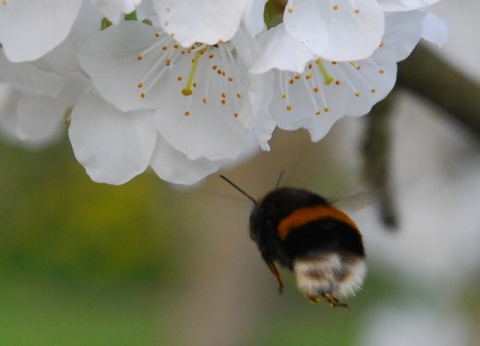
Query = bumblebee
x=320 y=244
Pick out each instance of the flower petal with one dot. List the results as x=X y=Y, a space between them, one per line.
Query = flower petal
x=300 y=97
x=368 y=83
x=111 y=59
x=253 y=16
x=28 y=78
x=261 y=95
x=435 y=30
x=113 y=146
x=403 y=31
x=344 y=30
x=43 y=117
x=174 y=167
x=199 y=126
x=30 y=29
x=280 y=50
x=39 y=117
x=405 y=5
x=205 y=21
x=115 y=9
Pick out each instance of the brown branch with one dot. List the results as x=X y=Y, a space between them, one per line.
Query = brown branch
x=429 y=76
x=376 y=156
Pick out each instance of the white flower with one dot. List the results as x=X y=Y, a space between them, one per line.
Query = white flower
x=38 y=95
x=339 y=30
x=193 y=96
x=200 y=95
x=114 y=146
x=316 y=96
x=205 y=21
x=29 y=29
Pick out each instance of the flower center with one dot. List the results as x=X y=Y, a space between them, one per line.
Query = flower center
x=205 y=76
x=308 y=83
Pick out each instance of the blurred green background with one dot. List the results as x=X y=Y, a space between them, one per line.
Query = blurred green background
x=90 y=264
x=147 y=263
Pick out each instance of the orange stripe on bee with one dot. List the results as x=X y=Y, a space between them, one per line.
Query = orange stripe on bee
x=303 y=216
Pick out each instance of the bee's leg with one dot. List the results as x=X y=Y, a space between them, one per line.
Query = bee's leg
x=333 y=302
x=275 y=272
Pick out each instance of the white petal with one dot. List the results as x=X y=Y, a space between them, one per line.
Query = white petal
x=210 y=121
x=9 y=98
x=302 y=107
x=368 y=82
x=205 y=21
x=111 y=60
x=405 y=5
x=435 y=30
x=30 y=29
x=113 y=146
x=344 y=30
x=40 y=117
x=280 y=50
x=114 y=10
x=261 y=96
x=63 y=58
x=319 y=127
x=199 y=129
x=10 y=125
x=253 y=16
x=28 y=78
x=174 y=167
x=403 y=31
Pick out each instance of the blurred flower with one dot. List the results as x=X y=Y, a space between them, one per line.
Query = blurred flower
x=415 y=326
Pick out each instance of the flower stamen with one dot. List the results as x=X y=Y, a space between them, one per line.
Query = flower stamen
x=326 y=76
x=187 y=91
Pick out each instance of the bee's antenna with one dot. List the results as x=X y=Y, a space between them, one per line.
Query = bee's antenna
x=239 y=189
